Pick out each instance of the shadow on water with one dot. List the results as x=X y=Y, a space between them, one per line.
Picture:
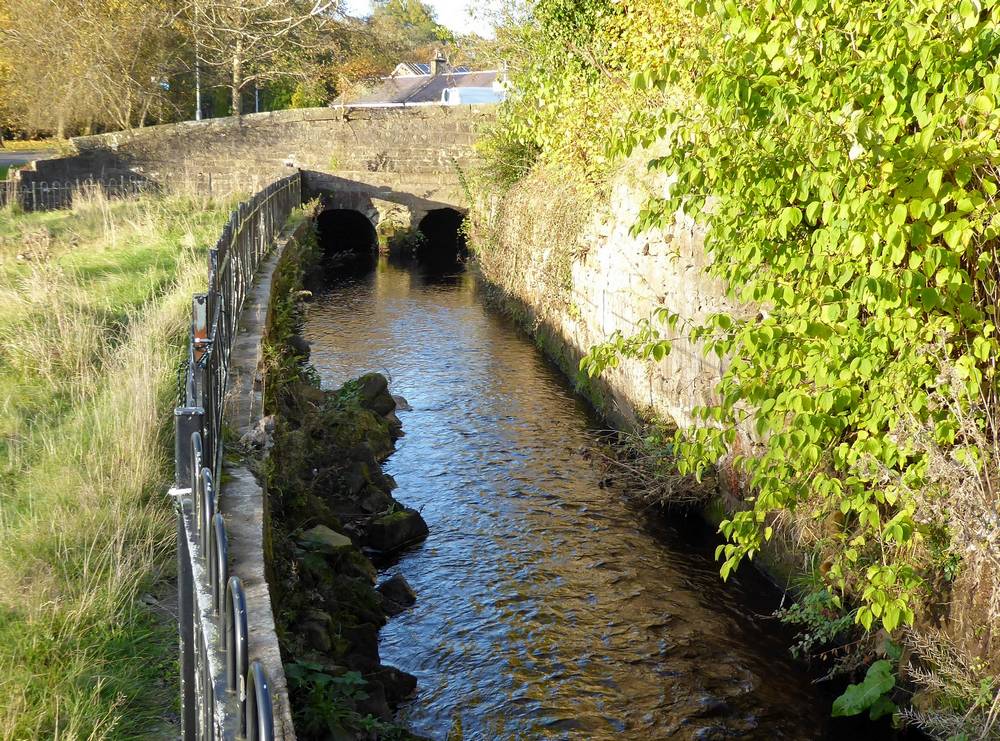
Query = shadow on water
x=548 y=606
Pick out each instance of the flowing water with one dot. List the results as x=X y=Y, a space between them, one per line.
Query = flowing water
x=547 y=606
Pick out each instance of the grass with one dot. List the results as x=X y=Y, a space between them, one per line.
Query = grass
x=31 y=145
x=93 y=308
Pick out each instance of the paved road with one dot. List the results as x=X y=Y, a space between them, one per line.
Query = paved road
x=10 y=159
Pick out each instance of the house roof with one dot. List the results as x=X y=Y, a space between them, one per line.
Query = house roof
x=404 y=69
x=423 y=88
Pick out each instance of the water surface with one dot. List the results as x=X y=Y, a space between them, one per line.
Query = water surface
x=548 y=607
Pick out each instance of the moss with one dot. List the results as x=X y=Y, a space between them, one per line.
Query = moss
x=392 y=517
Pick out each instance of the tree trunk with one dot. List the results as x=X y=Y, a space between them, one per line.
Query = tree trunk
x=237 y=82
x=60 y=127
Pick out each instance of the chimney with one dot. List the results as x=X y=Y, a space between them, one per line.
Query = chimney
x=438 y=63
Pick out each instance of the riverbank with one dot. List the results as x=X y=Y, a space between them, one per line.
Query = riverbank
x=94 y=303
x=330 y=506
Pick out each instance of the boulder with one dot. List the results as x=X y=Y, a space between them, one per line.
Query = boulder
x=299 y=345
x=300 y=397
x=362 y=640
x=322 y=539
x=372 y=385
x=314 y=628
x=402 y=405
x=355 y=478
x=395 y=426
x=358 y=566
x=375 y=704
x=373 y=500
x=397 y=590
x=374 y=391
x=393 y=531
x=398 y=685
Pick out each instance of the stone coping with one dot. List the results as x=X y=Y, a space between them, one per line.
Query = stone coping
x=242 y=500
x=113 y=139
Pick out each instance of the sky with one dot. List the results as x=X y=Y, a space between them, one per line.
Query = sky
x=451 y=13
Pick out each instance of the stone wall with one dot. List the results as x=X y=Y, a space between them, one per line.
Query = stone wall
x=372 y=157
x=613 y=281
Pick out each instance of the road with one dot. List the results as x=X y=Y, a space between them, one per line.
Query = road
x=12 y=159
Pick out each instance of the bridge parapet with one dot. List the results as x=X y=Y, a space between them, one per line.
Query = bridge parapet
x=406 y=153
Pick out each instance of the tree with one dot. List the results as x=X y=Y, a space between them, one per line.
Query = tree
x=407 y=24
x=75 y=63
x=253 y=41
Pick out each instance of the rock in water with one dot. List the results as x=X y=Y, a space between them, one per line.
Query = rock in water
x=374 y=391
x=398 y=685
x=402 y=405
x=393 y=531
x=397 y=594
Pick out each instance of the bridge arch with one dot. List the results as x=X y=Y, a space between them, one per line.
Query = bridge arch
x=346 y=235
x=443 y=234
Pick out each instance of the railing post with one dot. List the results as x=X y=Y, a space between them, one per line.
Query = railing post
x=185 y=615
x=187 y=420
x=258 y=719
x=200 y=342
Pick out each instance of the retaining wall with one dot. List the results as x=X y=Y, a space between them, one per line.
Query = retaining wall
x=614 y=281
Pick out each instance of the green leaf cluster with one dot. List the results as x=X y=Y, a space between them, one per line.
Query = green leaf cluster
x=841 y=156
x=871 y=694
x=570 y=101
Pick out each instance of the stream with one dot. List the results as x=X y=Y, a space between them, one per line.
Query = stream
x=547 y=605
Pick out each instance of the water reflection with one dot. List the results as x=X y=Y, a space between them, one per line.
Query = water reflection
x=547 y=607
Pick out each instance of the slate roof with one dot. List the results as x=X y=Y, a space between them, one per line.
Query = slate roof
x=424 y=88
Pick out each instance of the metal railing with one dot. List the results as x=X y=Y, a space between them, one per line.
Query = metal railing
x=36 y=195
x=41 y=196
x=223 y=694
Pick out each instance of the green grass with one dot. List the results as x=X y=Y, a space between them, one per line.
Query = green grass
x=93 y=309
x=4 y=169
x=30 y=145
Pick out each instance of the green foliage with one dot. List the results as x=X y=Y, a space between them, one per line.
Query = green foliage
x=841 y=155
x=820 y=619
x=309 y=94
x=568 y=97
x=871 y=694
x=283 y=366
x=329 y=707
x=408 y=23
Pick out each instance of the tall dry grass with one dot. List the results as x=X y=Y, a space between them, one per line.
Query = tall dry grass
x=93 y=307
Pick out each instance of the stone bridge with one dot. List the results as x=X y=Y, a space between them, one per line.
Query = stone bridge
x=398 y=167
